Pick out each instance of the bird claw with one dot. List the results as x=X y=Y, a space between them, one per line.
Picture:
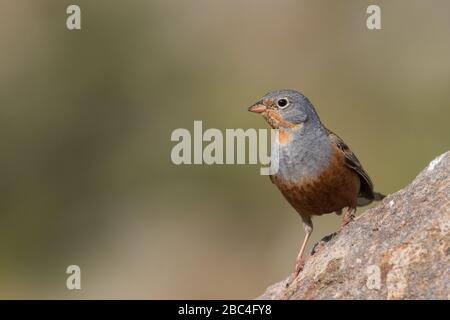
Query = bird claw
x=348 y=217
x=298 y=268
x=344 y=224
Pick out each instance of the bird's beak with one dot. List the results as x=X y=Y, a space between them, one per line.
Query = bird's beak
x=257 y=108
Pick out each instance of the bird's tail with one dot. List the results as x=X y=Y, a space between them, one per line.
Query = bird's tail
x=378 y=196
x=364 y=200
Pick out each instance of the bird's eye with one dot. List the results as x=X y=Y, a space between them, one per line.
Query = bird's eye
x=282 y=103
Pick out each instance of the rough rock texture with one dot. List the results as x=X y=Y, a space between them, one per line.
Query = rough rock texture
x=396 y=250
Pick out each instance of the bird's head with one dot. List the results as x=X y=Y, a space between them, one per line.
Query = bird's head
x=285 y=109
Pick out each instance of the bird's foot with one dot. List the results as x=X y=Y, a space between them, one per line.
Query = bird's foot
x=298 y=268
x=348 y=217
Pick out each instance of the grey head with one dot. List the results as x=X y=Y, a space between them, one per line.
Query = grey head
x=290 y=106
x=308 y=149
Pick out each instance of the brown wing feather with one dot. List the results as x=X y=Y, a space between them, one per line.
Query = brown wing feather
x=353 y=163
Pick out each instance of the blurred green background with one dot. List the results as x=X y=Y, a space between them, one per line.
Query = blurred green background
x=86 y=118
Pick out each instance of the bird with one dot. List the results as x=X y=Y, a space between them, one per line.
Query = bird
x=317 y=172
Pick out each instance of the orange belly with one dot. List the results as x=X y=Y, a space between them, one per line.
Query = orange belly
x=336 y=187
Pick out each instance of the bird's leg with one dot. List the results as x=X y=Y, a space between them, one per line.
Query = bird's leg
x=348 y=217
x=299 y=263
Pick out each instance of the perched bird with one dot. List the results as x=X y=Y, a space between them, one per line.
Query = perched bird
x=317 y=171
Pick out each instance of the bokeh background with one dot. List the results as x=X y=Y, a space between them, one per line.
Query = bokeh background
x=86 y=118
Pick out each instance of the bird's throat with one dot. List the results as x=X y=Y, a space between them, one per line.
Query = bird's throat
x=276 y=121
x=285 y=135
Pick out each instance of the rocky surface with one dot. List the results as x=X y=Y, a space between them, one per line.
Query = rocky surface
x=396 y=250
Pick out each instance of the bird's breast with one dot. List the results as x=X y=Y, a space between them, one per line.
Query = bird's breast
x=298 y=155
x=326 y=188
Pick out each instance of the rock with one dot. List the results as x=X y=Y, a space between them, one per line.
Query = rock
x=396 y=250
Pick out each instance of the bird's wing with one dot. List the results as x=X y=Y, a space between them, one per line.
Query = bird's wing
x=352 y=162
